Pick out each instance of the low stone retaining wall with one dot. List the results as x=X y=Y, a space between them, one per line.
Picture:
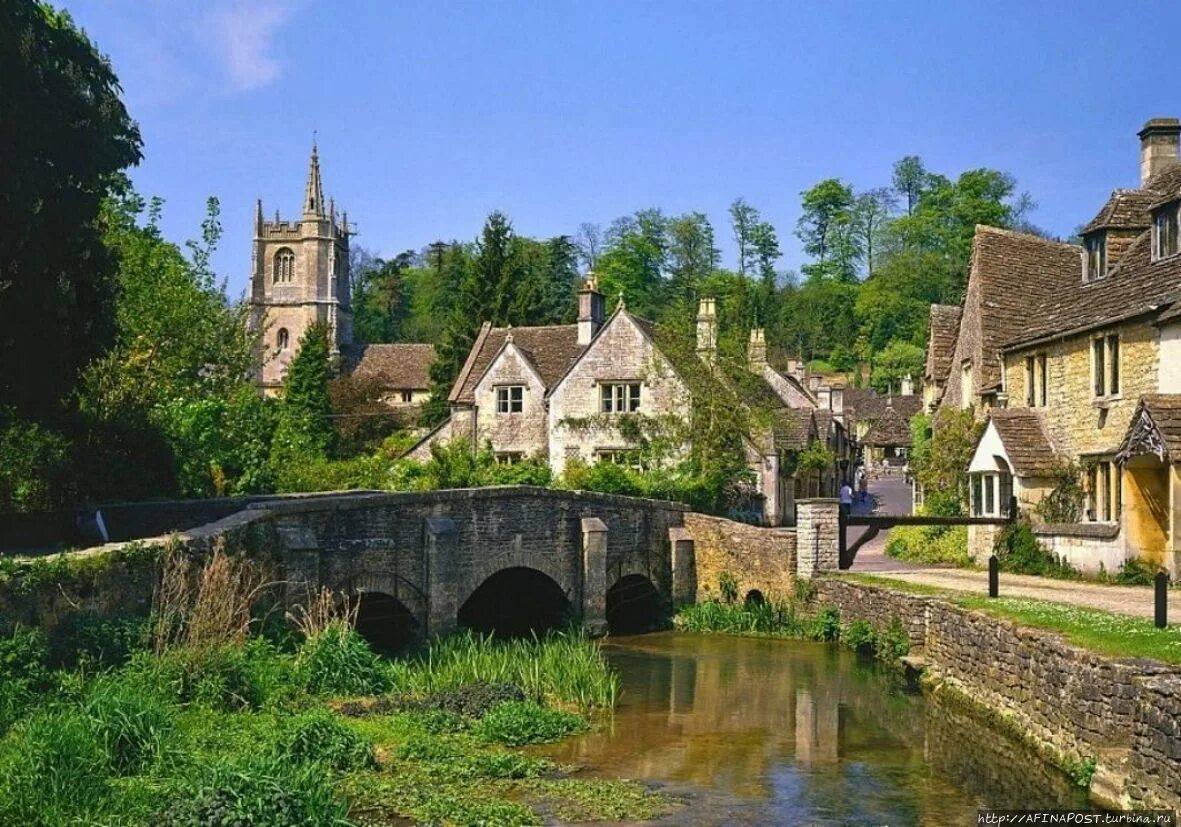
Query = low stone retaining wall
x=762 y=559
x=1071 y=704
x=1086 y=546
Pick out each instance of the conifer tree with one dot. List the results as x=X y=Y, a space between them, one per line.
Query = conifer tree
x=305 y=424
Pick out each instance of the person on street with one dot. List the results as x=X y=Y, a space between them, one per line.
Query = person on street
x=846 y=498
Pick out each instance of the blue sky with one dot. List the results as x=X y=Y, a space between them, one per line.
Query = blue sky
x=432 y=114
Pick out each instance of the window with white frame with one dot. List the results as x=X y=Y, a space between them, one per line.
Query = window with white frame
x=991 y=494
x=510 y=399
x=1096 y=257
x=1036 y=383
x=1105 y=365
x=509 y=457
x=619 y=397
x=1104 y=492
x=1166 y=235
x=627 y=457
x=966 y=389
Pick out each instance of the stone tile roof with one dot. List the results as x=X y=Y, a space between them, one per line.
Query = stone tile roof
x=891 y=428
x=1016 y=273
x=1136 y=285
x=551 y=349
x=1024 y=437
x=1155 y=426
x=1125 y=210
x=794 y=428
x=944 y=328
x=400 y=366
x=865 y=405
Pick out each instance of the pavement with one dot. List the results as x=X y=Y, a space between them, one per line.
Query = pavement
x=893 y=496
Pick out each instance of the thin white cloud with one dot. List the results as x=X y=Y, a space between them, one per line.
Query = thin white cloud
x=243 y=35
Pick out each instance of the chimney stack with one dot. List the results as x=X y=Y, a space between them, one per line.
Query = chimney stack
x=707 y=331
x=590 y=309
x=1158 y=146
x=907 y=386
x=756 y=351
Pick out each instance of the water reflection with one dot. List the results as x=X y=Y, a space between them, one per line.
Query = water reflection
x=777 y=732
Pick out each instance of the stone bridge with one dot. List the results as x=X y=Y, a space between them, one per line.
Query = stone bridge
x=518 y=557
x=514 y=558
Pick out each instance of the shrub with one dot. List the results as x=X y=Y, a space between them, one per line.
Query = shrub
x=258 y=791
x=133 y=723
x=859 y=636
x=892 y=642
x=55 y=770
x=24 y=657
x=728 y=587
x=930 y=544
x=1136 y=571
x=1018 y=551
x=1064 y=502
x=826 y=625
x=320 y=736
x=91 y=640
x=525 y=722
x=229 y=677
x=338 y=661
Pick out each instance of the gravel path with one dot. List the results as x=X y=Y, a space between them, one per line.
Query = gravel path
x=1128 y=600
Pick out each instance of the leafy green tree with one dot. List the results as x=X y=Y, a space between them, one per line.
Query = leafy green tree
x=634 y=261
x=825 y=227
x=817 y=316
x=894 y=362
x=381 y=300
x=909 y=180
x=692 y=257
x=870 y=214
x=743 y=220
x=66 y=138
x=766 y=253
x=305 y=415
x=943 y=473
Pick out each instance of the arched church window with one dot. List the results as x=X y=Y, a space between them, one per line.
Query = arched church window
x=284 y=266
x=283 y=339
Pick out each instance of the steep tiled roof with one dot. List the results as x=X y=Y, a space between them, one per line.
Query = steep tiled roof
x=793 y=427
x=891 y=428
x=1015 y=274
x=1156 y=425
x=1025 y=441
x=865 y=405
x=551 y=349
x=944 y=328
x=397 y=365
x=1125 y=209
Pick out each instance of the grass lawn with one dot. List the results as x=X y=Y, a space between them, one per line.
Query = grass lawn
x=1104 y=632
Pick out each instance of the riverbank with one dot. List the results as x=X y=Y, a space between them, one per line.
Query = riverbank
x=278 y=730
x=1092 y=714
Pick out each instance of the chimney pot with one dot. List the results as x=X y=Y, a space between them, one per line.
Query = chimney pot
x=591 y=308
x=1158 y=146
x=707 y=330
x=756 y=351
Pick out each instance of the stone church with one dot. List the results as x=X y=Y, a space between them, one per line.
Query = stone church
x=300 y=276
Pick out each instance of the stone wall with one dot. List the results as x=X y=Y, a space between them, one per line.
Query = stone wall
x=1086 y=546
x=1071 y=704
x=762 y=559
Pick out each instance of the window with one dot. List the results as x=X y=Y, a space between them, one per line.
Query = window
x=621 y=397
x=1104 y=492
x=284 y=270
x=966 y=389
x=282 y=339
x=1036 y=384
x=509 y=457
x=407 y=395
x=991 y=494
x=1096 y=257
x=510 y=399
x=1030 y=397
x=1105 y=365
x=627 y=457
x=1166 y=232
x=1043 y=380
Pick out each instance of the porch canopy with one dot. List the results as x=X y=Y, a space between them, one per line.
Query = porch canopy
x=1155 y=429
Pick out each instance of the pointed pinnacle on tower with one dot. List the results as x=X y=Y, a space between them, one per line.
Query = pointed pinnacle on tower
x=258 y=222
x=313 y=198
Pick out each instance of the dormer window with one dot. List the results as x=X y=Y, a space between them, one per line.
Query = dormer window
x=1166 y=235
x=1096 y=257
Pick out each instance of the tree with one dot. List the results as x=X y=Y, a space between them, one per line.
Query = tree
x=893 y=363
x=910 y=178
x=766 y=253
x=943 y=472
x=692 y=256
x=826 y=228
x=634 y=261
x=305 y=416
x=66 y=137
x=381 y=299
x=870 y=212
x=743 y=219
x=590 y=241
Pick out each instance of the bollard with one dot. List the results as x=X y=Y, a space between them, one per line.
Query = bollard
x=994 y=576
x=1161 y=588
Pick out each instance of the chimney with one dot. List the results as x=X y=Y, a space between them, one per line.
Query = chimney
x=590 y=309
x=837 y=401
x=756 y=351
x=1158 y=146
x=814 y=383
x=907 y=386
x=707 y=331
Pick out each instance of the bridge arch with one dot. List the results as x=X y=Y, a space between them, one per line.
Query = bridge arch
x=634 y=605
x=391 y=612
x=516 y=602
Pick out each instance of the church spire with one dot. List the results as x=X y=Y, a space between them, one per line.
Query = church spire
x=313 y=198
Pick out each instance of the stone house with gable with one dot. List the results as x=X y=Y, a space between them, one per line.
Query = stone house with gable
x=566 y=392
x=402 y=370
x=1073 y=354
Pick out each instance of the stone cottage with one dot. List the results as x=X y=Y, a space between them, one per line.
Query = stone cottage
x=1071 y=354
x=578 y=391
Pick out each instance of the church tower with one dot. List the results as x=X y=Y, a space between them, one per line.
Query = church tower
x=299 y=276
